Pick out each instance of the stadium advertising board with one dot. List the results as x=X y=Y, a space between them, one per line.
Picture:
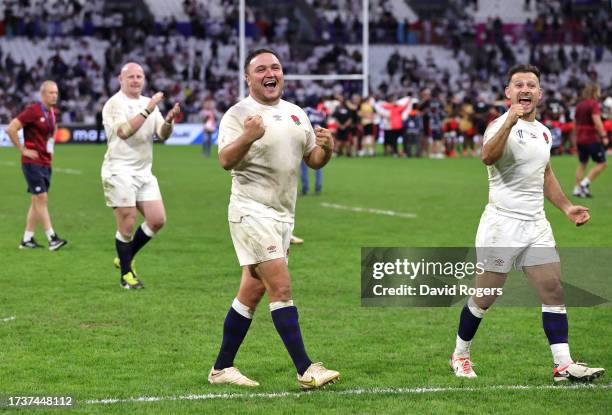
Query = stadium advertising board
x=183 y=134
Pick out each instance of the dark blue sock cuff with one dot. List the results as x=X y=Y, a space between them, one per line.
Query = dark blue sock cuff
x=556 y=327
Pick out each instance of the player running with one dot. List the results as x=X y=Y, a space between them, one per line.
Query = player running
x=514 y=230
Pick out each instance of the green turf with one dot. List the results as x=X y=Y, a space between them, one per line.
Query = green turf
x=77 y=333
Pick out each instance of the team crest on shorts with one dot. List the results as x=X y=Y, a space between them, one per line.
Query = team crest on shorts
x=296 y=120
x=545 y=138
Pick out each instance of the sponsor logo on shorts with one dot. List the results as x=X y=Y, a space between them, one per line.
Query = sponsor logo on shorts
x=498 y=262
x=271 y=249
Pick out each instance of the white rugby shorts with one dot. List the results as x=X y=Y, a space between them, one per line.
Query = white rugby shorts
x=258 y=240
x=502 y=242
x=123 y=190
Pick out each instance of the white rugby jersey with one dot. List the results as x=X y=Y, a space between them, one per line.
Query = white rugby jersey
x=516 y=180
x=264 y=183
x=134 y=155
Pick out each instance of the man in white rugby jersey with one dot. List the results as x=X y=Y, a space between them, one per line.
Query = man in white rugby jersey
x=262 y=140
x=513 y=229
x=130 y=121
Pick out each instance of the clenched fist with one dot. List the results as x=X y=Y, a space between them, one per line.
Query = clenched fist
x=515 y=112
x=324 y=139
x=254 y=127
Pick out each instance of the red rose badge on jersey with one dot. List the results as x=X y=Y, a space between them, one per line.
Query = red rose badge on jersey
x=545 y=138
x=296 y=120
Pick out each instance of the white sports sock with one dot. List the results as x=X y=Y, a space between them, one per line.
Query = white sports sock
x=474 y=309
x=280 y=304
x=561 y=354
x=122 y=237
x=462 y=348
x=242 y=309
x=576 y=189
x=27 y=235
x=147 y=231
x=585 y=182
x=49 y=232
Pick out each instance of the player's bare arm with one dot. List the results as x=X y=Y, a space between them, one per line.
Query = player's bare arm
x=600 y=128
x=233 y=154
x=553 y=192
x=322 y=153
x=12 y=131
x=128 y=129
x=494 y=148
x=168 y=125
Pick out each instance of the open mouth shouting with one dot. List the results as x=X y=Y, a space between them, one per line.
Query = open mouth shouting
x=525 y=101
x=270 y=85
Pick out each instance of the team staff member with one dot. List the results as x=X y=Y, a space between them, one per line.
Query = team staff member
x=39 y=125
x=591 y=139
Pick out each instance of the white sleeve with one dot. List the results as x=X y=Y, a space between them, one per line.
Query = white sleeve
x=492 y=129
x=112 y=117
x=310 y=136
x=549 y=140
x=230 y=129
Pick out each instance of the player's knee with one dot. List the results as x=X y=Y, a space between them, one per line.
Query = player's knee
x=484 y=302
x=40 y=199
x=157 y=223
x=555 y=295
x=126 y=226
x=255 y=296
x=281 y=292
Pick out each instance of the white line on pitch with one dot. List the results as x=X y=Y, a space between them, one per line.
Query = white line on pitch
x=370 y=210
x=55 y=169
x=67 y=171
x=371 y=391
x=7 y=318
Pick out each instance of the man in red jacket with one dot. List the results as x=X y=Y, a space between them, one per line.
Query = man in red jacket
x=591 y=139
x=39 y=126
x=393 y=112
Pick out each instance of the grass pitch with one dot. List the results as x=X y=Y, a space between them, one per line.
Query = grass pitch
x=76 y=332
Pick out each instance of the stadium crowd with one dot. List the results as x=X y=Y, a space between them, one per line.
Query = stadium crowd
x=190 y=66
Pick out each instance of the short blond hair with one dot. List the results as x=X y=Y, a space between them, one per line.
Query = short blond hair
x=45 y=84
x=590 y=91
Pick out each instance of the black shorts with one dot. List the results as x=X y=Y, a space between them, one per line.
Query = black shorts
x=595 y=151
x=368 y=129
x=38 y=177
x=436 y=135
x=342 y=134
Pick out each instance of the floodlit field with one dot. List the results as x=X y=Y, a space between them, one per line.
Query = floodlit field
x=76 y=332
